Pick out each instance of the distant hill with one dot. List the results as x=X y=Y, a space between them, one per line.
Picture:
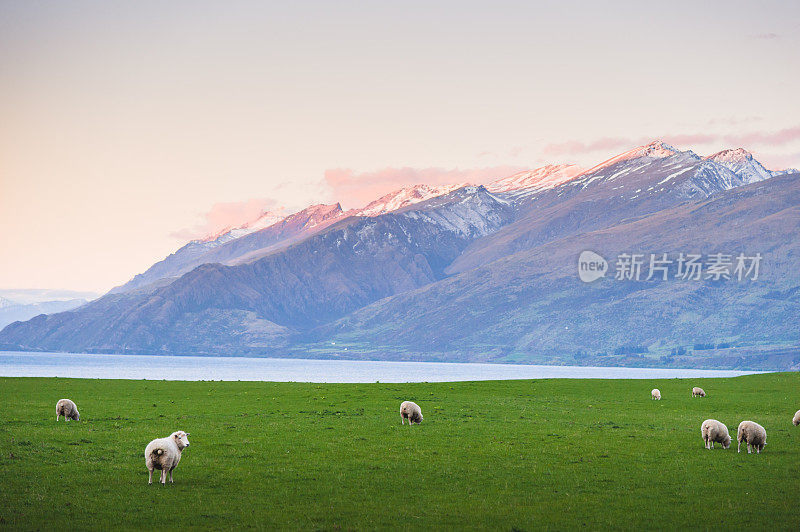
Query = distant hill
x=11 y=311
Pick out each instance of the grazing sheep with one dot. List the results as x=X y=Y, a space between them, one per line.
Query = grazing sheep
x=713 y=431
x=68 y=409
x=411 y=411
x=796 y=418
x=655 y=394
x=752 y=433
x=698 y=392
x=164 y=454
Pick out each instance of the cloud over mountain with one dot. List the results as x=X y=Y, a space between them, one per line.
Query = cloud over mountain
x=768 y=140
x=355 y=189
x=226 y=216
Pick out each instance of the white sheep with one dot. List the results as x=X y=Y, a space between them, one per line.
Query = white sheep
x=68 y=409
x=411 y=411
x=655 y=393
x=796 y=418
x=164 y=454
x=698 y=392
x=713 y=431
x=752 y=433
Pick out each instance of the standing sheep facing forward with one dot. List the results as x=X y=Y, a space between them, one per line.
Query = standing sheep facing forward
x=714 y=431
x=164 y=454
x=796 y=418
x=68 y=409
x=698 y=392
x=752 y=433
x=655 y=393
x=411 y=411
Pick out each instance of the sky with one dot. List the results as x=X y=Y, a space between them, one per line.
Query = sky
x=127 y=128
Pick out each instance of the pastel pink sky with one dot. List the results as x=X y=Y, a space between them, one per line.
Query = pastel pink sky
x=128 y=127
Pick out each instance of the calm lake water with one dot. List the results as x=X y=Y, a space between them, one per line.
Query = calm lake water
x=189 y=368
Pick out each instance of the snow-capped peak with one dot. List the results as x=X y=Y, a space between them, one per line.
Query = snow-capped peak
x=742 y=163
x=317 y=214
x=404 y=197
x=545 y=177
x=657 y=149
x=264 y=220
x=739 y=155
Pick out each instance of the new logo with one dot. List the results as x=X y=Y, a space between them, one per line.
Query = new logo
x=591 y=266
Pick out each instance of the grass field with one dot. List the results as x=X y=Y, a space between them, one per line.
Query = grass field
x=507 y=455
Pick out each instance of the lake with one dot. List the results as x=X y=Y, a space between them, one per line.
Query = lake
x=194 y=368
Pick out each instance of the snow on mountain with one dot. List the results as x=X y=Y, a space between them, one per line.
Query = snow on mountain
x=649 y=171
x=266 y=219
x=642 y=159
x=708 y=178
x=404 y=197
x=742 y=163
x=531 y=181
x=655 y=150
x=657 y=168
x=470 y=212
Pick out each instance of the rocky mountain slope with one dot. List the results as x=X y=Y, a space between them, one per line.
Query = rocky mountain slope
x=530 y=305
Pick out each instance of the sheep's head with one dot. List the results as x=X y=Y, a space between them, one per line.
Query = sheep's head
x=77 y=416
x=727 y=442
x=181 y=439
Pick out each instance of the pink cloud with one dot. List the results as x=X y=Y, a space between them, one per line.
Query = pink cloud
x=781 y=137
x=226 y=216
x=745 y=140
x=359 y=188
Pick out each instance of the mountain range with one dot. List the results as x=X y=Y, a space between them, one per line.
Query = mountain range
x=482 y=273
x=21 y=305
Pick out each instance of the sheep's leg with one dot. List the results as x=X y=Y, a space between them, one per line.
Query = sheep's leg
x=739 y=447
x=170 y=475
x=149 y=476
x=748 y=448
x=163 y=476
x=402 y=420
